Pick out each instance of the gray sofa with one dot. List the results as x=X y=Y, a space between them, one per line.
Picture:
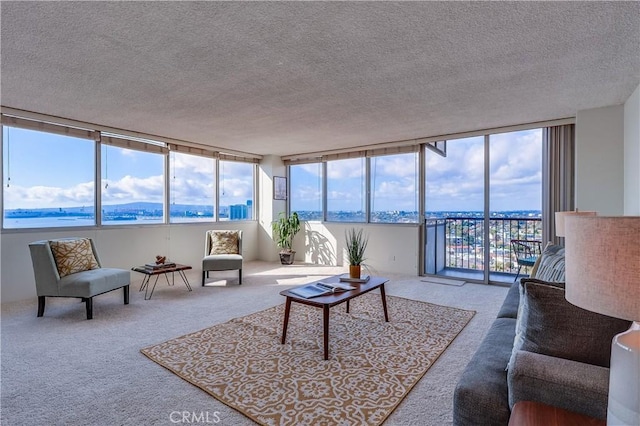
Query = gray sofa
x=562 y=357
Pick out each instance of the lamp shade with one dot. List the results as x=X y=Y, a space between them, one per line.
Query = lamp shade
x=603 y=264
x=560 y=218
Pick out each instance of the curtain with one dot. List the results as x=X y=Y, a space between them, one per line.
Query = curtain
x=558 y=176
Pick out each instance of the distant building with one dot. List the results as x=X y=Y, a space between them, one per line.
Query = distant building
x=238 y=211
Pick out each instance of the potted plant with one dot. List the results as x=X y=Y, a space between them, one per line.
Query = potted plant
x=284 y=229
x=356 y=243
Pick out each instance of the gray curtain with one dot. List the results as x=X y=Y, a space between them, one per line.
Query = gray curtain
x=558 y=176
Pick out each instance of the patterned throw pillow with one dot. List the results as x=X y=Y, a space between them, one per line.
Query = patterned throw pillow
x=73 y=256
x=224 y=242
x=551 y=266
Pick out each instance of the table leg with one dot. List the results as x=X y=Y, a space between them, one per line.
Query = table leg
x=152 y=289
x=145 y=282
x=325 y=318
x=287 y=309
x=347 y=306
x=384 y=303
x=184 y=278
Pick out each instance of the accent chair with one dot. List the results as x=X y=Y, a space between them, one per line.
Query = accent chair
x=70 y=267
x=222 y=252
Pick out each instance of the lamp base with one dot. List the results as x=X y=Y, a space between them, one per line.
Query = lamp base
x=624 y=378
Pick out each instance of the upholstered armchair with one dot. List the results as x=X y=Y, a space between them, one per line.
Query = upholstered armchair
x=222 y=252
x=70 y=267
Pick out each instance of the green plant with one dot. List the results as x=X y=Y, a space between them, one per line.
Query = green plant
x=284 y=229
x=356 y=242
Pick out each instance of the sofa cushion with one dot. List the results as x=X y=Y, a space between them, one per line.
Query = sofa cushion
x=552 y=326
x=224 y=242
x=574 y=386
x=73 y=256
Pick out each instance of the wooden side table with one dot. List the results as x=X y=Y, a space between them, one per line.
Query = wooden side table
x=148 y=273
x=530 y=413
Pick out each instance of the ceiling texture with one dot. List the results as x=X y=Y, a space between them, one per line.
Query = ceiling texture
x=286 y=78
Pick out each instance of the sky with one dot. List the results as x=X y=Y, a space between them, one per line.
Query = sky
x=454 y=182
x=52 y=171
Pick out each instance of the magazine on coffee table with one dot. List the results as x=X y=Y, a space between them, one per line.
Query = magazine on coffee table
x=320 y=289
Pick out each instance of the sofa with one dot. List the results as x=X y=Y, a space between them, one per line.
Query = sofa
x=560 y=357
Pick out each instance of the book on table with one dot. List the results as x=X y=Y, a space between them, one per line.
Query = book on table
x=320 y=289
x=154 y=266
x=348 y=279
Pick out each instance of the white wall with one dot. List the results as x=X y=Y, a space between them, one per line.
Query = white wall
x=600 y=160
x=118 y=247
x=632 y=154
x=392 y=248
x=269 y=209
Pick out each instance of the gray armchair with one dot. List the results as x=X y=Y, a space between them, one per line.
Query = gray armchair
x=222 y=252
x=70 y=267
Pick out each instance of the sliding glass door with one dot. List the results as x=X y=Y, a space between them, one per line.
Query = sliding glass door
x=480 y=194
x=454 y=208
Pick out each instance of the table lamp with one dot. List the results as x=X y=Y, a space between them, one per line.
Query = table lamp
x=560 y=218
x=602 y=257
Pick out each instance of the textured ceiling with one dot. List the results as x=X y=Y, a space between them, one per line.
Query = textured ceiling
x=293 y=77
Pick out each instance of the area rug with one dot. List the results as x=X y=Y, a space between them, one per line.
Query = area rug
x=372 y=364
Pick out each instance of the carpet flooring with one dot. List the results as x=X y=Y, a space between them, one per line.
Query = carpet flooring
x=64 y=370
x=373 y=364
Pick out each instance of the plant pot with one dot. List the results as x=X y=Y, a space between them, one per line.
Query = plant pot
x=286 y=258
x=354 y=271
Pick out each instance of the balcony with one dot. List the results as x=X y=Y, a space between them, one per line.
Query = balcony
x=455 y=246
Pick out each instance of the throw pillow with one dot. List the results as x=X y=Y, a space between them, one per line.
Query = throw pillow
x=72 y=256
x=224 y=242
x=519 y=338
x=551 y=266
x=552 y=326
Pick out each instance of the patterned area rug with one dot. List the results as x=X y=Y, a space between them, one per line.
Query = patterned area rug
x=372 y=364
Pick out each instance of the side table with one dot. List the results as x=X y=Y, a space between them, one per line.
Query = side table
x=531 y=413
x=148 y=273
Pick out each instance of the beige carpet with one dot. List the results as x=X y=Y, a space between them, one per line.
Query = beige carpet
x=372 y=365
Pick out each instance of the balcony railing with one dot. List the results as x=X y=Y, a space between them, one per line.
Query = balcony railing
x=458 y=242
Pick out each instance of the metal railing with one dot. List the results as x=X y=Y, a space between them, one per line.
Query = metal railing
x=458 y=242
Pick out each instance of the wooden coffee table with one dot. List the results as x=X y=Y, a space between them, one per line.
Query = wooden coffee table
x=330 y=300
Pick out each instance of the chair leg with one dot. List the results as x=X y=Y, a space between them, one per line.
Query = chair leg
x=240 y=276
x=40 y=306
x=126 y=294
x=203 y=275
x=518 y=274
x=89 y=303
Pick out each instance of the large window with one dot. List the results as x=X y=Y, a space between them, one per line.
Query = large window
x=306 y=190
x=132 y=186
x=346 y=185
x=394 y=192
x=48 y=179
x=192 y=188
x=236 y=190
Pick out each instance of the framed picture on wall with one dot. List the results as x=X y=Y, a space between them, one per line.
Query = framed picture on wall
x=279 y=188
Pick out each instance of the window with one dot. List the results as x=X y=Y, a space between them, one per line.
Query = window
x=346 y=190
x=48 y=179
x=306 y=190
x=394 y=197
x=132 y=186
x=192 y=188
x=236 y=190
